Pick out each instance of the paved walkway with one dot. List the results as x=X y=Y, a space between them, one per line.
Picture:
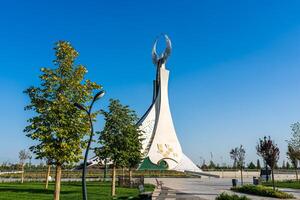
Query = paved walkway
x=200 y=189
x=168 y=193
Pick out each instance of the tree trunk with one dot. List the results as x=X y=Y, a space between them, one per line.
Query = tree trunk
x=267 y=174
x=47 y=176
x=57 y=182
x=296 y=174
x=242 y=180
x=105 y=170
x=130 y=177
x=123 y=176
x=22 y=175
x=273 y=181
x=130 y=174
x=113 y=182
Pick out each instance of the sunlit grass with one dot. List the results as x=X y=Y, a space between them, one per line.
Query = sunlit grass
x=69 y=191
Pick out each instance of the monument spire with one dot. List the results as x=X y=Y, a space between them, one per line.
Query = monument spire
x=161 y=146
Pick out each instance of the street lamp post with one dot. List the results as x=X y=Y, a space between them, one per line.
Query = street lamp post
x=88 y=112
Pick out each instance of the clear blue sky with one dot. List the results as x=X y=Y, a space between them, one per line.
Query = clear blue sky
x=235 y=65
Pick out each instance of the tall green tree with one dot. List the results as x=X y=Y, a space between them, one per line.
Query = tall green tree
x=283 y=165
x=269 y=151
x=120 y=139
x=58 y=127
x=251 y=165
x=258 y=164
x=211 y=165
x=288 y=165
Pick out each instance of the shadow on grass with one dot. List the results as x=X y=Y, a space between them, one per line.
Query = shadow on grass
x=34 y=191
x=88 y=185
x=126 y=197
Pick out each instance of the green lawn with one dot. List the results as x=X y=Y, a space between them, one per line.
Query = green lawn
x=285 y=184
x=69 y=191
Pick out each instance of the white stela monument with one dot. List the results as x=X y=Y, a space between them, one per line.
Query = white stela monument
x=161 y=147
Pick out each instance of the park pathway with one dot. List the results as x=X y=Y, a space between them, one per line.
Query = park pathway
x=169 y=194
x=200 y=189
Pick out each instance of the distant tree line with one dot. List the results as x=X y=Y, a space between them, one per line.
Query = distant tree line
x=211 y=165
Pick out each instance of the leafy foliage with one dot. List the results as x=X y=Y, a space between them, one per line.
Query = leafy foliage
x=233 y=156
x=121 y=137
x=262 y=191
x=288 y=165
x=258 y=164
x=251 y=166
x=295 y=139
x=226 y=196
x=58 y=126
x=23 y=156
x=268 y=150
x=211 y=165
x=238 y=156
x=293 y=155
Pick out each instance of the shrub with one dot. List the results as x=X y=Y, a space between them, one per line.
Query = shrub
x=225 y=196
x=262 y=191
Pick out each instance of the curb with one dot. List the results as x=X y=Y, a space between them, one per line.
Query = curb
x=156 y=193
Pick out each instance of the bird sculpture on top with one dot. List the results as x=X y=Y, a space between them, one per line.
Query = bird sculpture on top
x=159 y=60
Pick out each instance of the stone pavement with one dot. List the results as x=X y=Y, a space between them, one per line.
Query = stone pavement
x=200 y=189
x=170 y=194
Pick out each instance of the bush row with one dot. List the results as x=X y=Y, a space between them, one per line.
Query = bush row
x=225 y=196
x=262 y=191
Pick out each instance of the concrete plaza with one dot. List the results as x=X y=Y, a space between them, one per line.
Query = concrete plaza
x=200 y=188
